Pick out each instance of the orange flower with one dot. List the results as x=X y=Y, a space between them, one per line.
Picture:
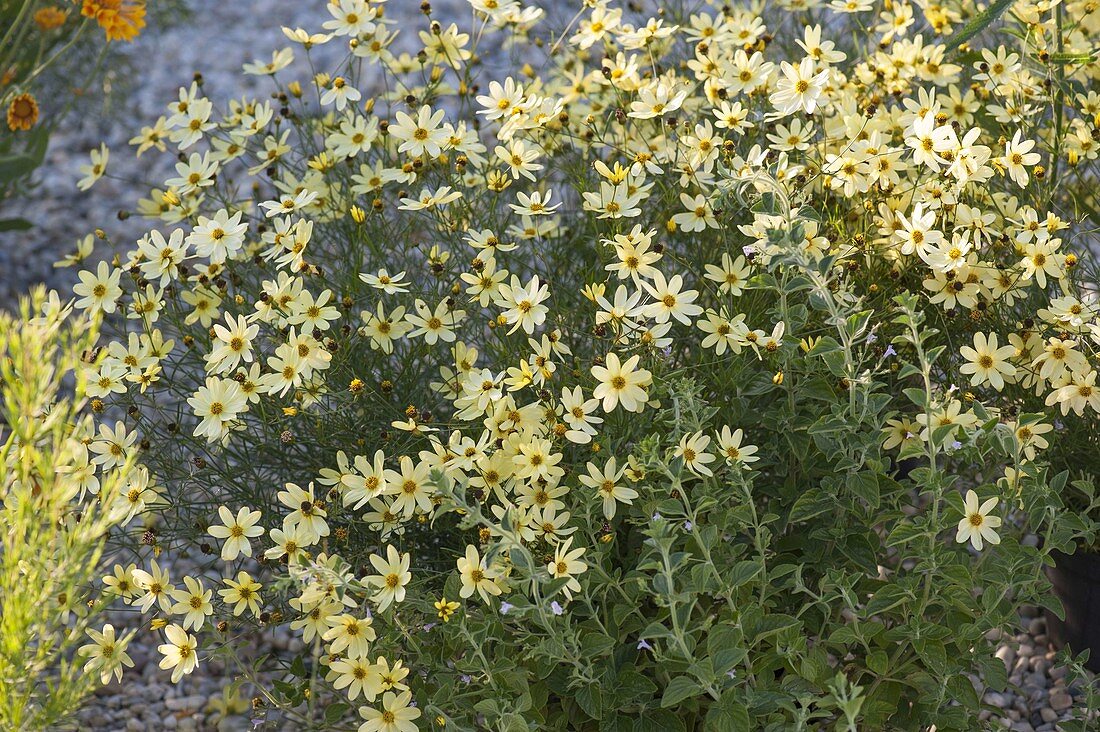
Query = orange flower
x=122 y=20
x=50 y=17
x=22 y=112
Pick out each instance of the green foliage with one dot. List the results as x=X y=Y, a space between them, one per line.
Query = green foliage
x=53 y=533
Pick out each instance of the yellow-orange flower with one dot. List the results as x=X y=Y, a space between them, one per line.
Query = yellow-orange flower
x=50 y=17
x=22 y=112
x=121 y=20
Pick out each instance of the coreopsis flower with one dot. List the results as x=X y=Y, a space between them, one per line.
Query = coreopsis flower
x=217 y=404
x=446 y=46
x=410 y=487
x=384 y=281
x=598 y=25
x=477 y=576
x=121 y=581
x=1058 y=357
x=162 y=257
x=195 y=173
x=671 y=300
x=608 y=489
x=50 y=18
x=732 y=275
x=502 y=99
x=218 y=238
x=242 y=593
x=437 y=325
x=1030 y=437
x=900 y=432
x=22 y=112
x=534 y=204
x=567 y=564
x=579 y=415
x=396 y=714
x=928 y=141
x=799 y=87
x=393 y=575
x=656 y=100
x=280 y=59
x=917 y=232
x=947 y=414
x=621 y=383
x=699 y=214
x=730 y=447
x=446 y=608
x=692 y=450
x=1018 y=157
x=290 y=541
x=367 y=482
x=350 y=18
x=977 y=526
x=121 y=20
x=193 y=603
x=107 y=654
x=234 y=344
x=236 y=531
x=1041 y=260
x=987 y=362
x=98 y=292
x=355 y=676
x=340 y=93
x=1080 y=392
x=157 y=586
x=723 y=333
x=288 y=204
x=523 y=305
x=430 y=199
x=420 y=135
x=349 y=634
x=308 y=513
x=180 y=652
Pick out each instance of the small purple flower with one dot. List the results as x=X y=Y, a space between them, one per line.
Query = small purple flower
x=656 y=517
x=956 y=445
x=556 y=608
x=643 y=645
x=465 y=678
x=749 y=250
x=429 y=626
x=889 y=352
x=505 y=607
x=687 y=526
x=871 y=337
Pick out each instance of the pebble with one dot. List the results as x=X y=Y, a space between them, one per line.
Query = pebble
x=1060 y=701
x=185 y=703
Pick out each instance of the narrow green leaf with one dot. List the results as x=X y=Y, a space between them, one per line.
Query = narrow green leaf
x=980 y=22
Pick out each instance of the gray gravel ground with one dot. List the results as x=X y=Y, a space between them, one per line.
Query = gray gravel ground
x=218 y=37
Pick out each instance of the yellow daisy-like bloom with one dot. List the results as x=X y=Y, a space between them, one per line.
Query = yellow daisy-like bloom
x=121 y=20
x=50 y=17
x=22 y=113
